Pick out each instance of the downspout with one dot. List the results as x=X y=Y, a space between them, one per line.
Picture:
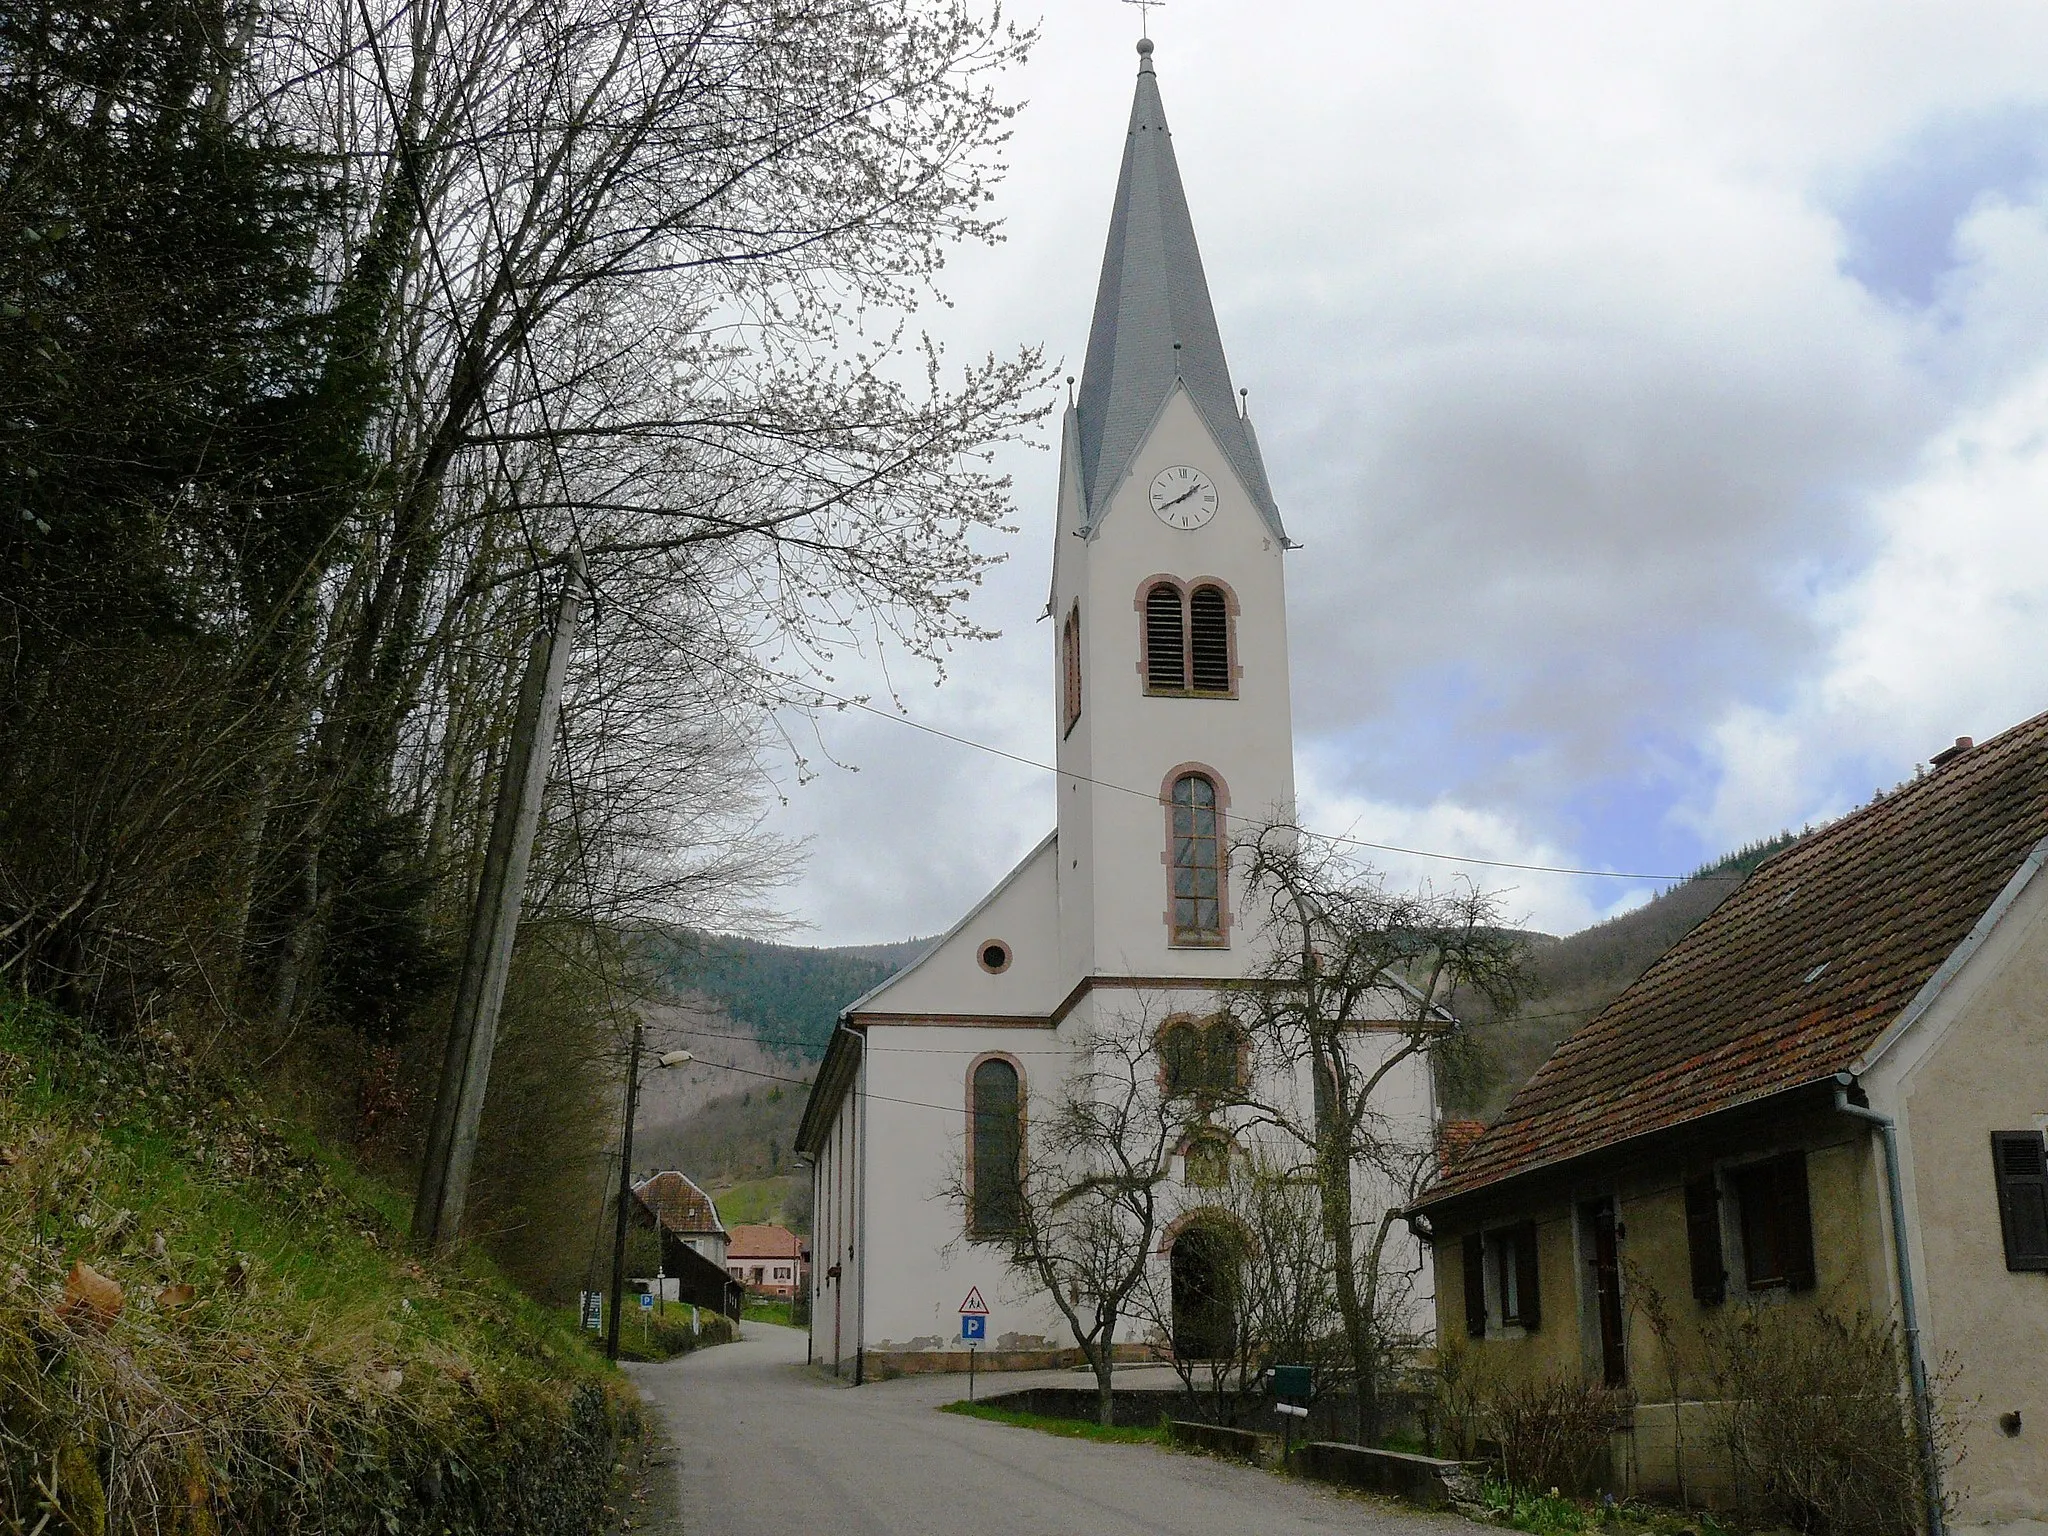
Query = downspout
x=1923 y=1411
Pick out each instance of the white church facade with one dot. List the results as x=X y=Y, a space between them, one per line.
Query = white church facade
x=1170 y=690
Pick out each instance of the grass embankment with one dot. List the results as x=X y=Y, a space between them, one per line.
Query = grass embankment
x=765 y=1310
x=274 y=1359
x=1066 y=1429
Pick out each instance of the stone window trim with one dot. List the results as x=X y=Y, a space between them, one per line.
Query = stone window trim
x=1023 y=1131
x=1215 y=1138
x=1200 y=1021
x=1186 y=587
x=1071 y=697
x=1227 y=918
x=1212 y=1215
x=981 y=955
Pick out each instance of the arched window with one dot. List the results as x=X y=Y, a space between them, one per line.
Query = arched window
x=997 y=1113
x=1166 y=640
x=1197 y=860
x=1070 y=667
x=1202 y=1058
x=1209 y=629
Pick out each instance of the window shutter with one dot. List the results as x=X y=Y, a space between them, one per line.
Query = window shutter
x=1525 y=1276
x=2020 y=1159
x=1166 y=639
x=1703 y=1241
x=1475 y=1286
x=1796 y=1222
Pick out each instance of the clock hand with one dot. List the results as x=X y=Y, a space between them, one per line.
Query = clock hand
x=1183 y=496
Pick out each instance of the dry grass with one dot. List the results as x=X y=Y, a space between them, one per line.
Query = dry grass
x=278 y=1362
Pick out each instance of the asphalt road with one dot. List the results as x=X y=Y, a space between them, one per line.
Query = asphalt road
x=761 y=1446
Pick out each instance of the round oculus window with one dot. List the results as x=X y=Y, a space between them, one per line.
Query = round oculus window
x=994 y=957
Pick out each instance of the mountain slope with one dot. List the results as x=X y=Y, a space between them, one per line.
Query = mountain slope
x=1571 y=979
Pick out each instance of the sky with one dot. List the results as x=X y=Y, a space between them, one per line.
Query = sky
x=1660 y=395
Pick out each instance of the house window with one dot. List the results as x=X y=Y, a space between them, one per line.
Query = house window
x=1197 y=857
x=1502 y=1285
x=2020 y=1160
x=1775 y=1222
x=1703 y=1240
x=1201 y=1058
x=1209 y=633
x=997 y=1114
x=1166 y=641
x=1070 y=668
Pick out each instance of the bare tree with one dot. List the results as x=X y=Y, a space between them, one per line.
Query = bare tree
x=1093 y=1195
x=1358 y=989
x=1263 y=1221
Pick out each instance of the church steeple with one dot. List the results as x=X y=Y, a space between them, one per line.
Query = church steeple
x=1154 y=322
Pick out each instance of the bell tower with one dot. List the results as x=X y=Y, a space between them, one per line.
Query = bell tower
x=1168 y=604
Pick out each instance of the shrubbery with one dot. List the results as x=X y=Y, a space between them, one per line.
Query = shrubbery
x=1550 y=1432
x=1818 y=1426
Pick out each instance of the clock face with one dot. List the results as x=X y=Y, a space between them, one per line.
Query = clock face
x=1183 y=497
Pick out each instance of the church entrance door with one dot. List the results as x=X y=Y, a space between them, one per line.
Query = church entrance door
x=1204 y=1264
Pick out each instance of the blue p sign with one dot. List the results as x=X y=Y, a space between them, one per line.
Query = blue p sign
x=973 y=1327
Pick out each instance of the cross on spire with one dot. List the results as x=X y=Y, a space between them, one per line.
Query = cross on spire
x=1145 y=14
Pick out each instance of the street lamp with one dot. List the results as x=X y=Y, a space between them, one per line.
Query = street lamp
x=665 y=1059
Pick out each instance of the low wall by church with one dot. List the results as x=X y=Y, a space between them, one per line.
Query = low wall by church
x=886 y=1364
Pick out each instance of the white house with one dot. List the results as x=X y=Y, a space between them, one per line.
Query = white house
x=1171 y=716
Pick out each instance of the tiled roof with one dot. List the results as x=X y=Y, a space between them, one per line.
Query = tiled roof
x=1452 y=1138
x=758 y=1241
x=1794 y=975
x=679 y=1205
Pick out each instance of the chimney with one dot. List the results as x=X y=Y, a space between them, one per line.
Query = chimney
x=1949 y=754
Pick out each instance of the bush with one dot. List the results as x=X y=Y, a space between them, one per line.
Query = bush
x=1819 y=1425
x=1547 y=1434
x=1553 y=1432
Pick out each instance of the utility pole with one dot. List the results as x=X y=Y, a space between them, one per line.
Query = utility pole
x=611 y=1333
x=665 y=1059
x=466 y=1068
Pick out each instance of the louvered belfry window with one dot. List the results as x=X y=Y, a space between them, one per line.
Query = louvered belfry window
x=1209 y=628
x=1197 y=862
x=2020 y=1159
x=1166 y=641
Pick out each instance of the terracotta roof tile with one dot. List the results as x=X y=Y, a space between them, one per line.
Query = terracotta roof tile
x=1793 y=976
x=679 y=1204
x=763 y=1241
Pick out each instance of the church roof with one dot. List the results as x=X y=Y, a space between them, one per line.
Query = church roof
x=1154 y=323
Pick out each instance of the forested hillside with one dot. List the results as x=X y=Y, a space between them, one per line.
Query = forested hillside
x=1571 y=979
x=787 y=996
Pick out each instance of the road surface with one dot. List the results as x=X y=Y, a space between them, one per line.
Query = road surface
x=762 y=1446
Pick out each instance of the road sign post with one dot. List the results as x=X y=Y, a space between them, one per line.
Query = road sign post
x=973 y=1331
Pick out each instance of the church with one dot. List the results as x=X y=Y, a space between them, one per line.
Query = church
x=1171 y=718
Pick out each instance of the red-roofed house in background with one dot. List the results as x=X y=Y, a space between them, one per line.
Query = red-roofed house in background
x=1866 y=1014
x=768 y=1260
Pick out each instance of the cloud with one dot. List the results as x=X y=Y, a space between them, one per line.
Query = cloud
x=1656 y=391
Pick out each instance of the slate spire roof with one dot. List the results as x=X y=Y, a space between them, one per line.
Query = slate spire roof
x=1154 y=322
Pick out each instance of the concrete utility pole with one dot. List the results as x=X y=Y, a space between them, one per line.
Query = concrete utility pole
x=466 y=1068
x=611 y=1333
